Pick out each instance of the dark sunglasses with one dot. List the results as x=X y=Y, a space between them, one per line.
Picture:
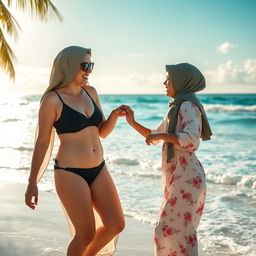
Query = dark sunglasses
x=166 y=81
x=87 y=65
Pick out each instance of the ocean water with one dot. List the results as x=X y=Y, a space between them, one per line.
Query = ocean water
x=228 y=224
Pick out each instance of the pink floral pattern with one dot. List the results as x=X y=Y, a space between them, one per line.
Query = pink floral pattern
x=183 y=160
x=183 y=250
x=200 y=209
x=167 y=231
x=173 y=254
x=187 y=217
x=196 y=182
x=173 y=201
x=184 y=188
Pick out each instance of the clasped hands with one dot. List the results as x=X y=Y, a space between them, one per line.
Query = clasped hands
x=126 y=111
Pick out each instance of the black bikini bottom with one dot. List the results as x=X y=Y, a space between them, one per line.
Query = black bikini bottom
x=88 y=174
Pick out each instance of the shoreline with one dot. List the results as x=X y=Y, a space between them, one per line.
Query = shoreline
x=45 y=231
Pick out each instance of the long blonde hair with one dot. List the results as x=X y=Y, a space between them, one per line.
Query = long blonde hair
x=64 y=69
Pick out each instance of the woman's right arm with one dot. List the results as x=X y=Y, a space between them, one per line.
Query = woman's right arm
x=144 y=131
x=152 y=135
x=46 y=118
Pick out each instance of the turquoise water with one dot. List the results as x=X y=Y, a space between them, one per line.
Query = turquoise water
x=228 y=224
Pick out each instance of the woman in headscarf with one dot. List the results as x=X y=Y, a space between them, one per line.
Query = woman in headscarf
x=83 y=183
x=183 y=175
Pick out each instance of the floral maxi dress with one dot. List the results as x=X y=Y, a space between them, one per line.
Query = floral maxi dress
x=184 y=188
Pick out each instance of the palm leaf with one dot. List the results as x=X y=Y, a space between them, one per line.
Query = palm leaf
x=43 y=9
x=6 y=56
x=8 y=22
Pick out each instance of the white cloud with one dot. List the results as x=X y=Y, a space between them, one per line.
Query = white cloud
x=250 y=70
x=225 y=72
x=225 y=47
x=232 y=73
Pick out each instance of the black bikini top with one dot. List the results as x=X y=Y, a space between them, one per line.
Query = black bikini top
x=72 y=120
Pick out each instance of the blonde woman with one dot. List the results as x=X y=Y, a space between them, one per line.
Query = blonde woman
x=82 y=181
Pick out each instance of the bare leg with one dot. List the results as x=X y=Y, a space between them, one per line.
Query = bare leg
x=75 y=196
x=107 y=204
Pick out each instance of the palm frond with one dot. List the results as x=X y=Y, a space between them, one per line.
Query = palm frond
x=6 y=56
x=8 y=22
x=44 y=9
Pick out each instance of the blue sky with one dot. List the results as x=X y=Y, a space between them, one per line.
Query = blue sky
x=132 y=41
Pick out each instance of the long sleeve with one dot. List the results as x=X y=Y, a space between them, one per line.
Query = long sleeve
x=189 y=126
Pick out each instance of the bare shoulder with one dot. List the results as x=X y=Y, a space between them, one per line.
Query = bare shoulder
x=50 y=100
x=92 y=91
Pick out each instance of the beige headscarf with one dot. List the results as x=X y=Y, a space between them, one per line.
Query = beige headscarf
x=65 y=67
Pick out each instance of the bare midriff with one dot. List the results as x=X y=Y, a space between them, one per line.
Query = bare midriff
x=81 y=149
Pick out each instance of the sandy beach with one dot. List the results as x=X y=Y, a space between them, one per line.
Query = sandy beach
x=44 y=231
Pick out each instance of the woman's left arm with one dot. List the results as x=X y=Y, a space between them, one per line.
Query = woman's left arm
x=107 y=125
x=171 y=138
x=188 y=136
